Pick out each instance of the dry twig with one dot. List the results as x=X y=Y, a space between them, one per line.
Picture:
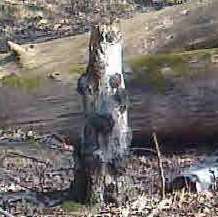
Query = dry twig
x=160 y=165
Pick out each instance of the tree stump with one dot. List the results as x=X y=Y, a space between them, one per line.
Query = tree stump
x=106 y=135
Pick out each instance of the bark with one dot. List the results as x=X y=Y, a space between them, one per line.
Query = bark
x=106 y=135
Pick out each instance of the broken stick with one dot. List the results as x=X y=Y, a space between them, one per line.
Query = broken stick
x=160 y=165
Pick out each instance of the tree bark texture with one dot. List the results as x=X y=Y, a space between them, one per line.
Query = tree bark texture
x=106 y=135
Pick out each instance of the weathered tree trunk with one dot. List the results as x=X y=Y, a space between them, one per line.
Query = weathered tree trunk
x=106 y=135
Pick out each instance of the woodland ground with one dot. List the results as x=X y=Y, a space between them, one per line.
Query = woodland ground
x=178 y=28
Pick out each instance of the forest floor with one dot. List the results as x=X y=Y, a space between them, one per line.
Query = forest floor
x=142 y=196
x=153 y=32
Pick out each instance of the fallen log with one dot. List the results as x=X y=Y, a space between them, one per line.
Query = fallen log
x=25 y=55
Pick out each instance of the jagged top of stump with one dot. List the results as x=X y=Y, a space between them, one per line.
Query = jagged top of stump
x=107 y=31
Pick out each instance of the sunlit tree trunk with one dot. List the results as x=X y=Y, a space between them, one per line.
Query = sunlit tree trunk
x=106 y=134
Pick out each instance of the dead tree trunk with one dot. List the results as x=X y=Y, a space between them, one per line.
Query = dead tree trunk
x=106 y=134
